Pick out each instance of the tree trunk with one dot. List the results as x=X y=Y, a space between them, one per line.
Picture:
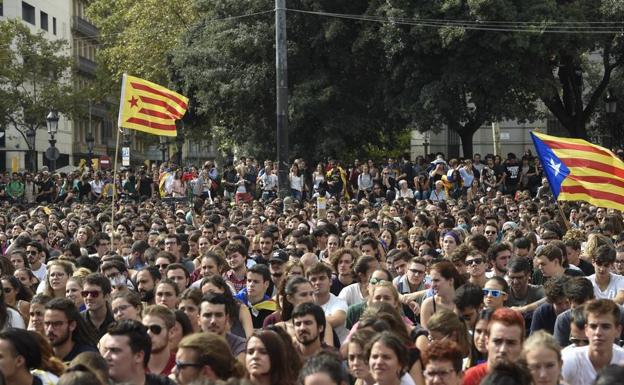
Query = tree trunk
x=466 y=136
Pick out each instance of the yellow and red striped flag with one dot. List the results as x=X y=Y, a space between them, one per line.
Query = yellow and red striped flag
x=581 y=171
x=149 y=107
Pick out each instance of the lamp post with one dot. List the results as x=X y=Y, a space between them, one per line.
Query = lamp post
x=32 y=154
x=180 y=142
x=426 y=144
x=52 y=153
x=611 y=108
x=90 y=143
x=163 y=148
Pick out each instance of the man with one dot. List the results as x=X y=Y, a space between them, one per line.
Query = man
x=549 y=262
x=159 y=322
x=443 y=365
x=522 y=295
x=573 y=251
x=178 y=274
x=522 y=247
x=308 y=320
x=146 y=281
x=172 y=245
x=236 y=258
x=468 y=303
x=127 y=350
x=266 y=248
x=491 y=233
x=276 y=268
x=618 y=265
x=335 y=308
x=139 y=231
x=499 y=255
x=136 y=260
x=215 y=314
x=66 y=330
x=578 y=291
x=556 y=303
x=254 y=294
x=102 y=245
x=202 y=355
x=504 y=342
x=20 y=353
x=590 y=224
x=369 y=246
x=208 y=231
x=606 y=284
x=117 y=273
x=36 y=259
x=96 y=292
x=400 y=265
x=581 y=364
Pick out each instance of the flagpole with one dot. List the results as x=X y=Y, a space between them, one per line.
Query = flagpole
x=114 y=188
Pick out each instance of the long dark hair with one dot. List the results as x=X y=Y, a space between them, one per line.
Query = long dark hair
x=275 y=347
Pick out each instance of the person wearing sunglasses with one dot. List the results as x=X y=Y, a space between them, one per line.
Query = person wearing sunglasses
x=495 y=293
x=96 y=291
x=578 y=337
x=476 y=264
x=159 y=321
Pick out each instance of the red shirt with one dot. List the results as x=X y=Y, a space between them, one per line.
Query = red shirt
x=474 y=375
x=168 y=368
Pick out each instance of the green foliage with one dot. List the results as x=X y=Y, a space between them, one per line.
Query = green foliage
x=34 y=78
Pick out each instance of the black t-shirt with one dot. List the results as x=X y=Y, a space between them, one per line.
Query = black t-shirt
x=76 y=350
x=145 y=186
x=154 y=379
x=513 y=173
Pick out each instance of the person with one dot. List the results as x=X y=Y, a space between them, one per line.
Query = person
x=146 y=281
x=178 y=274
x=443 y=365
x=126 y=305
x=266 y=360
x=96 y=292
x=549 y=261
x=476 y=267
x=505 y=336
x=445 y=325
x=444 y=280
x=216 y=313
x=545 y=316
x=499 y=255
x=254 y=295
x=335 y=308
x=205 y=355
x=9 y=317
x=36 y=313
x=167 y=293
x=356 y=357
x=308 y=321
x=543 y=358
x=610 y=375
x=56 y=278
x=581 y=364
x=468 y=303
x=159 y=322
x=323 y=369
x=508 y=373
x=127 y=351
x=67 y=330
x=606 y=284
x=19 y=354
x=388 y=360
x=495 y=292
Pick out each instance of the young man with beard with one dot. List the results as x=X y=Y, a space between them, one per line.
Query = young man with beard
x=215 y=313
x=499 y=255
x=66 y=330
x=96 y=293
x=308 y=320
x=159 y=322
x=127 y=349
x=36 y=259
x=146 y=281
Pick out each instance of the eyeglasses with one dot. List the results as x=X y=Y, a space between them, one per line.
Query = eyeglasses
x=476 y=261
x=493 y=292
x=181 y=365
x=430 y=374
x=490 y=232
x=120 y=308
x=579 y=341
x=162 y=266
x=155 y=329
x=33 y=252
x=374 y=281
x=53 y=324
x=91 y=293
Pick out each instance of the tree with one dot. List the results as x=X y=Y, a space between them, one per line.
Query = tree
x=34 y=78
x=336 y=75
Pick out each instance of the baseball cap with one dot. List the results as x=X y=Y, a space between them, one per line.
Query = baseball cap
x=279 y=256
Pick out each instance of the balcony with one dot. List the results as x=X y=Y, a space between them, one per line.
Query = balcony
x=86 y=66
x=84 y=27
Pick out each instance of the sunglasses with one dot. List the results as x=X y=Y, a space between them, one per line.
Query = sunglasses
x=91 y=293
x=163 y=266
x=476 y=261
x=374 y=281
x=493 y=292
x=181 y=365
x=155 y=329
x=490 y=232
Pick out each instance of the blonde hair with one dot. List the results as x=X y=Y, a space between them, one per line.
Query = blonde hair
x=212 y=350
x=393 y=290
x=446 y=322
x=594 y=241
x=541 y=339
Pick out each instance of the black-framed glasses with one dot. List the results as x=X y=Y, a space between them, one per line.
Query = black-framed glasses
x=181 y=365
x=475 y=261
x=155 y=329
x=162 y=266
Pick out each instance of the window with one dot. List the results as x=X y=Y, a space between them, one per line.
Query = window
x=54 y=25
x=28 y=13
x=44 y=20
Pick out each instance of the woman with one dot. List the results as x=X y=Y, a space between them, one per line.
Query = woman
x=181 y=329
x=478 y=351
x=178 y=188
x=266 y=360
x=27 y=278
x=445 y=324
x=342 y=263
x=404 y=191
x=543 y=357
x=56 y=278
x=37 y=309
x=16 y=296
x=293 y=269
x=19 y=261
x=126 y=304
x=190 y=301
x=323 y=369
x=450 y=242
x=388 y=361
x=389 y=239
x=495 y=293
x=167 y=286
x=73 y=290
x=444 y=280
x=9 y=317
x=296 y=182
x=356 y=356
x=363 y=270
x=364 y=183
x=241 y=323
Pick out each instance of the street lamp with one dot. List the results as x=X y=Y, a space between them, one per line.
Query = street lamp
x=52 y=153
x=426 y=144
x=90 y=144
x=611 y=108
x=180 y=141
x=32 y=154
x=163 y=148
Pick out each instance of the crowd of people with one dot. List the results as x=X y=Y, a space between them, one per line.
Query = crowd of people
x=439 y=271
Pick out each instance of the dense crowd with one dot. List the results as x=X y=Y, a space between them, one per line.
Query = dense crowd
x=439 y=271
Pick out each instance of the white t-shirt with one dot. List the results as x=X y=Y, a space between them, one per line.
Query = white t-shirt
x=616 y=283
x=578 y=369
x=351 y=294
x=16 y=320
x=330 y=307
x=41 y=272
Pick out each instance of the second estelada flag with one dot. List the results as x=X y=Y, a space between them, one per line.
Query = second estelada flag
x=149 y=107
x=581 y=171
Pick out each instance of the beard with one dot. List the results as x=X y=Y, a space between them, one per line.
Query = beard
x=147 y=296
x=61 y=339
x=307 y=339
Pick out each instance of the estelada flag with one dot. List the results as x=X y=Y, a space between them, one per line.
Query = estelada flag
x=581 y=171
x=149 y=107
